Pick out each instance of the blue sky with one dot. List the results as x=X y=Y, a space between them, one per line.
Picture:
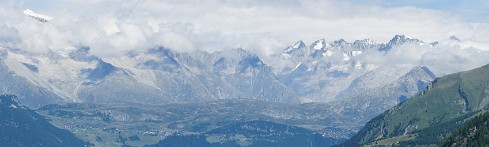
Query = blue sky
x=472 y=10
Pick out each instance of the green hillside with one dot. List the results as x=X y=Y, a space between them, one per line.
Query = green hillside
x=432 y=116
x=20 y=126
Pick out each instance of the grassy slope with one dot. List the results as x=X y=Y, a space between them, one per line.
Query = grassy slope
x=453 y=97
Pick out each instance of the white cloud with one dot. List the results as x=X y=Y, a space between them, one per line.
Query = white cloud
x=114 y=27
x=442 y=59
x=9 y=36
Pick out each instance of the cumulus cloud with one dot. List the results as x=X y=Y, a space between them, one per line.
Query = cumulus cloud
x=442 y=59
x=9 y=36
x=115 y=27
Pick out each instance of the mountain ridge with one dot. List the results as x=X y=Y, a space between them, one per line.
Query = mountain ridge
x=21 y=126
x=446 y=102
x=234 y=73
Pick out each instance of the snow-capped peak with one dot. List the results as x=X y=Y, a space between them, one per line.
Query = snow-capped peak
x=398 y=40
x=365 y=42
x=289 y=50
x=401 y=39
x=38 y=17
x=340 y=42
x=319 y=44
x=299 y=44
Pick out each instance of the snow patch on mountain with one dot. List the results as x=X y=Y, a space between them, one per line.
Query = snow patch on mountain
x=37 y=16
x=15 y=62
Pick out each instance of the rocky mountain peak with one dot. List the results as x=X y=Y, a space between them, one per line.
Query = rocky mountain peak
x=398 y=40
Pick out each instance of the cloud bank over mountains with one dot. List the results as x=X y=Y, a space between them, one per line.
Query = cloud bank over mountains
x=115 y=27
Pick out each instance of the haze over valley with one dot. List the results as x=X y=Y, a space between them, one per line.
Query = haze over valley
x=243 y=73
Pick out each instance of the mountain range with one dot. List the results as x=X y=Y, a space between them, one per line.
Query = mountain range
x=322 y=72
x=349 y=89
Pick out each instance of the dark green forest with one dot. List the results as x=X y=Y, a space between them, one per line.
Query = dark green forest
x=474 y=132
